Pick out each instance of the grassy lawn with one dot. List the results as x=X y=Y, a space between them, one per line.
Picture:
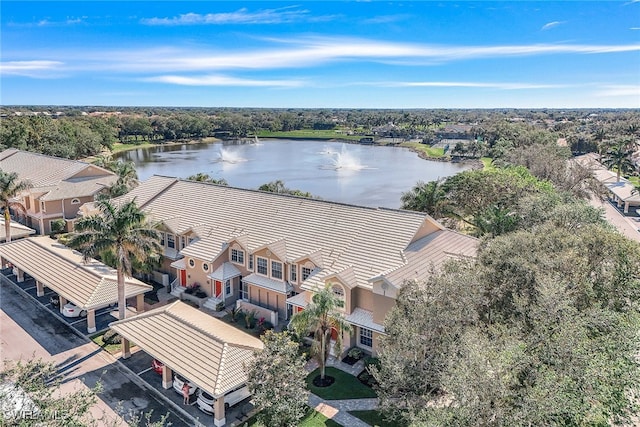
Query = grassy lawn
x=486 y=161
x=312 y=419
x=375 y=419
x=346 y=386
x=110 y=348
x=434 y=152
x=309 y=133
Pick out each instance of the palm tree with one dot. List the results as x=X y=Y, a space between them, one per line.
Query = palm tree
x=321 y=317
x=427 y=197
x=10 y=187
x=203 y=177
x=620 y=158
x=126 y=171
x=122 y=234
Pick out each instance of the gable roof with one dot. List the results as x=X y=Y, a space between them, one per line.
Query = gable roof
x=340 y=235
x=208 y=352
x=88 y=285
x=17 y=230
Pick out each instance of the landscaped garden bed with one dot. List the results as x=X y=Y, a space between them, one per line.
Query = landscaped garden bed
x=312 y=419
x=345 y=386
x=376 y=419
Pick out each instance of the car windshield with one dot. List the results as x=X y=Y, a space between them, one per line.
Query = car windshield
x=206 y=395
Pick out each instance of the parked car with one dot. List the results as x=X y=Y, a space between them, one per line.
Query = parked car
x=70 y=310
x=179 y=381
x=205 y=400
x=157 y=366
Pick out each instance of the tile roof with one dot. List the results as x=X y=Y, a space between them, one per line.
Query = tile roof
x=88 y=285
x=267 y=283
x=205 y=350
x=336 y=235
x=225 y=271
x=42 y=170
x=78 y=187
x=431 y=252
x=300 y=300
x=17 y=230
x=364 y=318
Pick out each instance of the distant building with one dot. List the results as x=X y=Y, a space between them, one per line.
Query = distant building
x=59 y=186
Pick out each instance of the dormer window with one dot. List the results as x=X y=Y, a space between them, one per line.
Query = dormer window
x=262 y=266
x=276 y=270
x=293 y=273
x=306 y=272
x=171 y=241
x=237 y=256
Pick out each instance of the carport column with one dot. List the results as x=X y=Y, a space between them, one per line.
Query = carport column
x=19 y=275
x=626 y=207
x=91 y=321
x=126 y=348
x=167 y=377
x=218 y=412
x=63 y=301
x=39 y=288
x=140 y=303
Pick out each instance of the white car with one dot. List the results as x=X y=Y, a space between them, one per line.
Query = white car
x=179 y=381
x=71 y=310
x=205 y=400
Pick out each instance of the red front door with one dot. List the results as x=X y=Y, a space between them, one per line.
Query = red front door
x=183 y=277
x=218 y=288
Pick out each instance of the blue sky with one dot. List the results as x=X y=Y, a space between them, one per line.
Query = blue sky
x=375 y=54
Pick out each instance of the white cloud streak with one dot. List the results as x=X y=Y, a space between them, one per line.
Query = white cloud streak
x=29 y=68
x=241 y=16
x=619 y=90
x=217 y=80
x=488 y=85
x=550 y=25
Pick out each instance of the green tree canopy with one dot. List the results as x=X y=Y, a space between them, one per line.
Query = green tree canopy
x=10 y=187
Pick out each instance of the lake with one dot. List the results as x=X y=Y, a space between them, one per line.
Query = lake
x=367 y=175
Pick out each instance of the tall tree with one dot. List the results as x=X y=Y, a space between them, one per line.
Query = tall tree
x=426 y=197
x=620 y=158
x=321 y=318
x=277 y=381
x=203 y=177
x=121 y=231
x=541 y=330
x=10 y=187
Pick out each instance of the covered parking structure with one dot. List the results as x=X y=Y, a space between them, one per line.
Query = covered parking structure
x=89 y=285
x=209 y=353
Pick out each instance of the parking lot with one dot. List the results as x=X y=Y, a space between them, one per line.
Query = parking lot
x=140 y=364
x=104 y=316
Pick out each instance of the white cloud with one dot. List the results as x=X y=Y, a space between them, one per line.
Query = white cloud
x=619 y=90
x=634 y=28
x=550 y=25
x=217 y=80
x=490 y=85
x=241 y=16
x=28 y=68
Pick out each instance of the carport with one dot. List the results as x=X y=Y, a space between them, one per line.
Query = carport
x=208 y=352
x=90 y=286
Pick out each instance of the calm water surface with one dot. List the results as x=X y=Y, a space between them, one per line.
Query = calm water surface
x=350 y=173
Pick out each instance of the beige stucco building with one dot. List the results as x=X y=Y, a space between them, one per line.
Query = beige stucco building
x=269 y=252
x=59 y=186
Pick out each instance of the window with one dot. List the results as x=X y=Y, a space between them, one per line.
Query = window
x=262 y=266
x=276 y=270
x=227 y=287
x=366 y=337
x=293 y=273
x=42 y=206
x=306 y=272
x=237 y=256
x=192 y=263
x=338 y=292
x=75 y=201
x=171 y=241
x=243 y=292
x=162 y=238
x=251 y=262
x=205 y=267
x=183 y=242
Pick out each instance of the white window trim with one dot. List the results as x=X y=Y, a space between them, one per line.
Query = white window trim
x=75 y=201
x=293 y=270
x=173 y=236
x=228 y=281
x=258 y=268
x=281 y=270
x=238 y=252
x=205 y=267
x=250 y=262
x=360 y=330
x=191 y=262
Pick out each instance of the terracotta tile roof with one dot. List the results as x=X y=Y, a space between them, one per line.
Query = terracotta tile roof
x=91 y=285
x=203 y=349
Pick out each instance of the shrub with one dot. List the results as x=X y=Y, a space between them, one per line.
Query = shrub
x=220 y=306
x=355 y=353
x=235 y=312
x=111 y=337
x=371 y=361
x=249 y=319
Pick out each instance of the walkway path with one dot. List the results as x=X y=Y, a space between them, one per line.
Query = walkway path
x=628 y=226
x=338 y=410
